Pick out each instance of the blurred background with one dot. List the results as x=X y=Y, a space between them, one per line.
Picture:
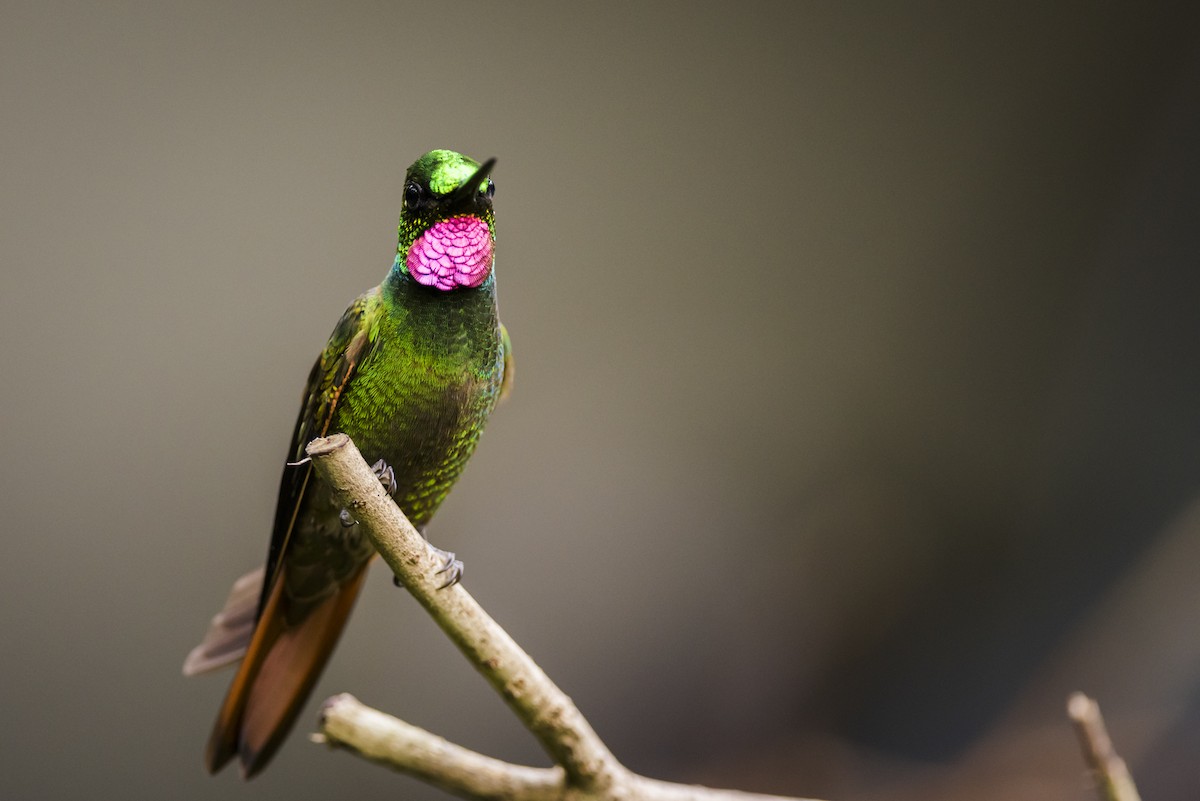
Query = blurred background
x=855 y=422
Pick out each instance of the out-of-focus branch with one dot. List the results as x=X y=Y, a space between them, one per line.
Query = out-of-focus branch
x=1112 y=776
x=585 y=769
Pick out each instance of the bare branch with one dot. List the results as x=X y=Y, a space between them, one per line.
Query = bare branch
x=347 y=723
x=587 y=770
x=388 y=741
x=544 y=709
x=1112 y=776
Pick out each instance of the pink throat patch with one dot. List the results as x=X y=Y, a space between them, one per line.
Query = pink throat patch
x=452 y=253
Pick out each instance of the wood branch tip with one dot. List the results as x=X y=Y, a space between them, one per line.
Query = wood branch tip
x=1080 y=707
x=341 y=699
x=323 y=446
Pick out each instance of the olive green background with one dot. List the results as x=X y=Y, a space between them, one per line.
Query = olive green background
x=856 y=416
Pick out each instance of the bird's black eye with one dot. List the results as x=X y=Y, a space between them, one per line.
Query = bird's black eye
x=491 y=189
x=412 y=196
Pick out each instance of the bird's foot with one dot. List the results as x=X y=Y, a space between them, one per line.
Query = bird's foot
x=387 y=478
x=451 y=566
x=386 y=475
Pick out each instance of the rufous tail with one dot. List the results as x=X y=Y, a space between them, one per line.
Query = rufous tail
x=281 y=665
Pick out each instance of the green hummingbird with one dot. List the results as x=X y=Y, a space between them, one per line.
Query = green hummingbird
x=411 y=372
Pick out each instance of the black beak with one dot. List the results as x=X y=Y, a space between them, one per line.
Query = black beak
x=465 y=195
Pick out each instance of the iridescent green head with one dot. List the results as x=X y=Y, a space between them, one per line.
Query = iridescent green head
x=447 y=226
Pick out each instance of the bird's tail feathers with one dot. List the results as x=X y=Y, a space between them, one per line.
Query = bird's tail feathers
x=230 y=630
x=280 y=668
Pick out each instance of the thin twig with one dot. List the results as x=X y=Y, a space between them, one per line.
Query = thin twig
x=587 y=770
x=1112 y=776
x=379 y=737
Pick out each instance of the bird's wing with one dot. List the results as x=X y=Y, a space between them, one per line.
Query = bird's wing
x=348 y=345
x=510 y=371
x=283 y=659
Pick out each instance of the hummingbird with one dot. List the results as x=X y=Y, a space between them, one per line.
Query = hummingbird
x=411 y=372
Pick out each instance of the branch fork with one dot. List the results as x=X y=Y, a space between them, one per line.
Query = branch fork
x=584 y=769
